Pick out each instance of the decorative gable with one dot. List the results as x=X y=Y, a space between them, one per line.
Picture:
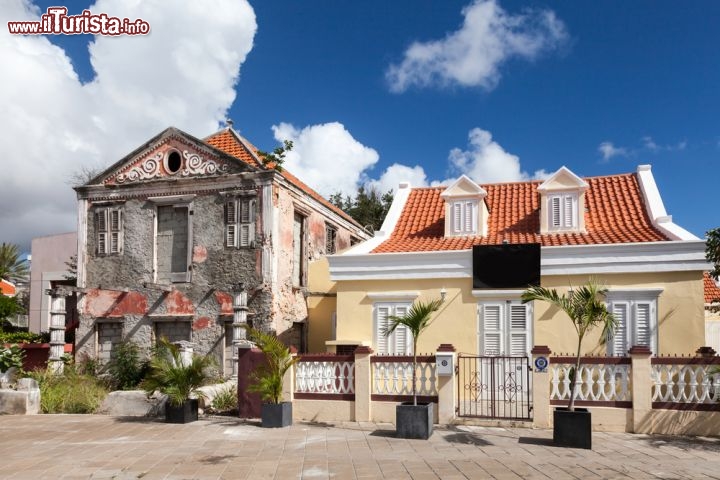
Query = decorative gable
x=466 y=213
x=171 y=155
x=562 y=203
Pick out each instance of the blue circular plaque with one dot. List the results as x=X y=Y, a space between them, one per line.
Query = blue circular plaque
x=541 y=364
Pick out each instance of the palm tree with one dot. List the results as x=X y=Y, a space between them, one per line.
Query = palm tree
x=12 y=268
x=268 y=378
x=586 y=309
x=416 y=320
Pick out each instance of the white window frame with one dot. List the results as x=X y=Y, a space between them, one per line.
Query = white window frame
x=400 y=341
x=505 y=328
x=563 y=211
x=109 y=230
x=633 y=302
x=240 y=222
x=464 y=214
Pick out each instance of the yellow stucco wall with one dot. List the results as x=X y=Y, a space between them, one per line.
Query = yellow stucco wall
x=680 y=311
x=320 y=307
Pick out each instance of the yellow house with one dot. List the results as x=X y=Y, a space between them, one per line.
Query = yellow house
x=439 y=242
x=712 y=312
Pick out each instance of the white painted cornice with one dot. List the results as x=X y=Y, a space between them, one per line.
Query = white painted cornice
x=671 y=256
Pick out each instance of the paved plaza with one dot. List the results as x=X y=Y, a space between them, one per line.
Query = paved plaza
x=89 y=446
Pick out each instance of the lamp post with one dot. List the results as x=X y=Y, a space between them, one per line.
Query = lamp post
x=239 y=319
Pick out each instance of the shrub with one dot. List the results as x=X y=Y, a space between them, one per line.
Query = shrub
x=11 y=356
x=70 y=392
x=226 y=399
x=126 y=368
x=23 y=337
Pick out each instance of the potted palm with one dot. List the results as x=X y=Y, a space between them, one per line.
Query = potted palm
x=179 y=379
x=267 y=379
x=585 y=306
x=413 y=420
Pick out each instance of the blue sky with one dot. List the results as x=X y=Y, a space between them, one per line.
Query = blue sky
x=599 y=87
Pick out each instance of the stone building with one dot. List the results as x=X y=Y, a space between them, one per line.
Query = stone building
x=166 y=235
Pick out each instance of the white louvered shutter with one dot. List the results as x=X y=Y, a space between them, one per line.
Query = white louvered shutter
x=555 y=219
x=102 y=231
x=247 y=225
x=457 y=217
x=619 y=342
x=568 y=220
x=519 y=319
x=231 y=228
x=401 y=336
x=469 y=223
x=381 y=313
x=643 y=313
x=492 y=323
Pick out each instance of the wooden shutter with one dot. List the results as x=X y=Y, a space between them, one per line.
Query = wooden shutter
x=468 y=223
x=381 y=322
x=643 y=328
x=231 y=229
x=115 y=220
x=401 y=337
x=247 y=225
x=619 y=342
x=518 y=323
x=102 y=231
x=555 y=220
x=492 y=327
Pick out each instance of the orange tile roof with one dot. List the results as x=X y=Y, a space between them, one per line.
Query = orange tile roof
x=7 y=288
x=229 y=143
x=711 y=289
x=615 y=213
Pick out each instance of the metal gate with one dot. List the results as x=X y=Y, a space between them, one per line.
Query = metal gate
x=494 y=387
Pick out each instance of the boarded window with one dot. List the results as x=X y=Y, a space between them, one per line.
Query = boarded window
x=240 y=223
x=109 y=228
x=173 y=244
x=299 y=256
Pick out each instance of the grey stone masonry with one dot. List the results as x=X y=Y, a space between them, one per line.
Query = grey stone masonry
x=109 y=335
x=173 y=331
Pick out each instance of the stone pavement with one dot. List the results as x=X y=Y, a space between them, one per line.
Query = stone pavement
x=88 y=446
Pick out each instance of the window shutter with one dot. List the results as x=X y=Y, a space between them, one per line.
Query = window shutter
x=115 y=230
x=246 y=227
x=519 y=330
x=244 y=211
x=469 y=218
x=492 y=320
x=244 y=235
x=102 y=231
x=401 y=340
x=382 y=314
x=555 y=212
x=568 y=220
x=457 y=217
x=642 y=323
x=231 y=233
x=619 y=342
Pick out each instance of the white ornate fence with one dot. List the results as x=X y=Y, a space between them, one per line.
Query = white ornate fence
x=325 y=375
x=600 y=380
x=685 y=381
x=393 y=376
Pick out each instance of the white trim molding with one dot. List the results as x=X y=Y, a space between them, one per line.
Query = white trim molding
x=497 y=293
x=656 y=208
x=393 y=295
x=670 y=256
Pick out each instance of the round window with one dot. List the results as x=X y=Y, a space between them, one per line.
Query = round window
x=173 y=162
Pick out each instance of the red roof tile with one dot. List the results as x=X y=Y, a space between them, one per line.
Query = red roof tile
x=711 y=289
x=615 y=213
x=229 y=143
x=7 y=288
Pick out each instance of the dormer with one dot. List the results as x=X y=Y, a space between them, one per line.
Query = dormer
x=562 y=203
x=465 y=210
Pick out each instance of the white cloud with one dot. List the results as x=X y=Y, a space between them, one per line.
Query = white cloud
x=396 y=173
x=326 y=157
x=485 y=161
x=182 y=74
x=608 y=151
x=650 y=144
x=472 y=56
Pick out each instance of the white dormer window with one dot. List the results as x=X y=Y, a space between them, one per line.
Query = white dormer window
x=562 y=203
x=465 y=210
x=563 y=211
x=464 y=217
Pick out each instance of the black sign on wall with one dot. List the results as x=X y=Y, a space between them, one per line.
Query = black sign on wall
x=506 y=266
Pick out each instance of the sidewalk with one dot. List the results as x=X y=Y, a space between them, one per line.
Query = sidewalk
x=87 y=446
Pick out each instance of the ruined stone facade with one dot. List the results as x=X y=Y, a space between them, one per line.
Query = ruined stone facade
x=167 y=232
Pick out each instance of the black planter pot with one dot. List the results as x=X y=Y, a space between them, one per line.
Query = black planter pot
x=185 y=413
x=414 y=421
x=572 y=429
x=275 y=415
